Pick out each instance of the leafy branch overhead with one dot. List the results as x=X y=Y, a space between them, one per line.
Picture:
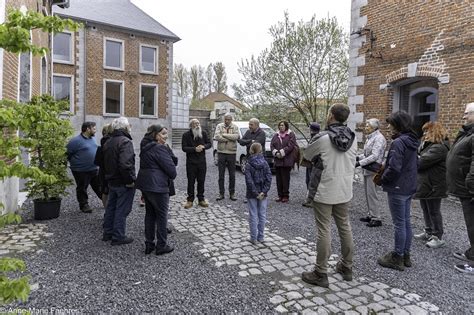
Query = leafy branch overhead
x=15 y=33
x=305 y=69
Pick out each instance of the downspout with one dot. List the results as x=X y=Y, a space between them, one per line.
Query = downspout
x=84 y=97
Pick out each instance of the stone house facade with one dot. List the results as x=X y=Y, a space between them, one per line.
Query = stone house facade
x=412 y=56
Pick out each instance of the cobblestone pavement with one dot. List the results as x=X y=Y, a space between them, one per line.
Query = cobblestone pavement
x=223 y=240
x=16 y=239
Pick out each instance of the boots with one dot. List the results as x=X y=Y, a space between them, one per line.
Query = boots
x=316 y=278
x=149 y=248
x=407 y=260
x=392 y=260
x=344 y=271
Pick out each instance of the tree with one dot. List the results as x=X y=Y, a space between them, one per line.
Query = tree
x=304 y=71
x=219 y=82
x=15 y=37
x=209 y=77
x=197 y=82
x=181 y=79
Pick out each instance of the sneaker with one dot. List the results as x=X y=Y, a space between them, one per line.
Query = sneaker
x=435 y=242
x=149 y=248
x=366 y=219
x=165 y=250
x=278 y=199
x=188 y=204
x=344 y=271
x=126 y=240
x=204 y=203
x=392 y=260
x=232 y=197
x=407 y=260
x=422 y=236
x=374 y=223
x=462 y=256
x=308 y=203
x=86 y=209
x=106 y=237
x=315 y=278
x=466 y=268
x=220 y=197
x=284 y=200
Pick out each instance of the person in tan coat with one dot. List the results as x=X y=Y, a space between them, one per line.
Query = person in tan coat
x=227 y=134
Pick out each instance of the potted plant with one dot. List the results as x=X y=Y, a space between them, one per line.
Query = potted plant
x=46 y=128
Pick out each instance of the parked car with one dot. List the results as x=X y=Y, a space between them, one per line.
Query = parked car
x=241 y=156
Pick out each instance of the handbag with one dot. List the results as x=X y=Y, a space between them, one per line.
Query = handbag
x=373 y=167
x=378 y=176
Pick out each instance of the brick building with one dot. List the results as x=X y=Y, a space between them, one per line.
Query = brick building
x=119 y=64
x=415 y=56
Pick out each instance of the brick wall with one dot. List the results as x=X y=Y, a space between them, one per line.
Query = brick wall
x=131 y=76
x=436 y=35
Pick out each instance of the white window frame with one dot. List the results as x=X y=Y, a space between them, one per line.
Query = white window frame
x=122 y=98
x=156 y=59
x=71 y=48
x=71 y=88
x=155 y=115
x=122 y=56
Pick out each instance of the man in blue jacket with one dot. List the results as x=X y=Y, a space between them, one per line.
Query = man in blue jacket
x=81 y=152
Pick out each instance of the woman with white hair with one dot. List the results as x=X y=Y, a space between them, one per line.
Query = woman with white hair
x=370 y=161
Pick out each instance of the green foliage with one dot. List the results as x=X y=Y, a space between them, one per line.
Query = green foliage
x=16 y=288
x=9 y=218
x=15 y=32
x=47 y=133
x=303 y=71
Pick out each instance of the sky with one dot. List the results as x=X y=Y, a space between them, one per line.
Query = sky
x=229 y=31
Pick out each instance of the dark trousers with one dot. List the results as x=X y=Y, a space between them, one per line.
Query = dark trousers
x=226 y=160
x=432 y=215
x=468 y=210
x=282 y=174
x=156 y=218
x=119 y=205
x=196 y=171
x=83 y=180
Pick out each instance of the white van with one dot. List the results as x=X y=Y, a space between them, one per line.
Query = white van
x=241 y=156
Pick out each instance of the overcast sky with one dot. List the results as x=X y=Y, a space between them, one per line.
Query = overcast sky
x=228 y=31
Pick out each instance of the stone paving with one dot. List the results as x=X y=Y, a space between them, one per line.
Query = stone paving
x=223 y=240
x=15 y=239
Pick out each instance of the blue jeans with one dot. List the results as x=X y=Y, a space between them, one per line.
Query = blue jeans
x=119 y=205
x=400 y=209
x=257 y=217
x=156 y=218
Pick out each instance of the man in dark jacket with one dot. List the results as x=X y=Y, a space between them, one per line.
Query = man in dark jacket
x=460 y=178
x=120 y=174
x=195 y=143
x=254 y=134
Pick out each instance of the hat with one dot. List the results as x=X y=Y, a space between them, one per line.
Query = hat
x=314 y=127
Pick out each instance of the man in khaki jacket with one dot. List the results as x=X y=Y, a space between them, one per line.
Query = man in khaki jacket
x=227 y=134
x=337 y=148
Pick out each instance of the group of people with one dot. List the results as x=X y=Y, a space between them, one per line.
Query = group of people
x=426 y=171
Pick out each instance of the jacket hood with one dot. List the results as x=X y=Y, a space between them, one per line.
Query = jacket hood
x=341 y=136
x=410 y=139
x=146 y=144
x=257 y=161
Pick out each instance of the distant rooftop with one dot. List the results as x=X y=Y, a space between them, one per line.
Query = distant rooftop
x=116 y=13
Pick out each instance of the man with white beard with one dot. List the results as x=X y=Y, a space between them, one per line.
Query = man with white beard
x=194 y=143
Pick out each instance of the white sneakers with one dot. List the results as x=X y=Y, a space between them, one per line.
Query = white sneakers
x=435 y=242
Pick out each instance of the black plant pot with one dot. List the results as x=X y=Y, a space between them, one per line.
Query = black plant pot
x=46 y=209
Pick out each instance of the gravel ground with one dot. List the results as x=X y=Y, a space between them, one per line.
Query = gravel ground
x=76 y=270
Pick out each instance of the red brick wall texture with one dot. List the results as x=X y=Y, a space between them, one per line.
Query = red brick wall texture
x=403 y=32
